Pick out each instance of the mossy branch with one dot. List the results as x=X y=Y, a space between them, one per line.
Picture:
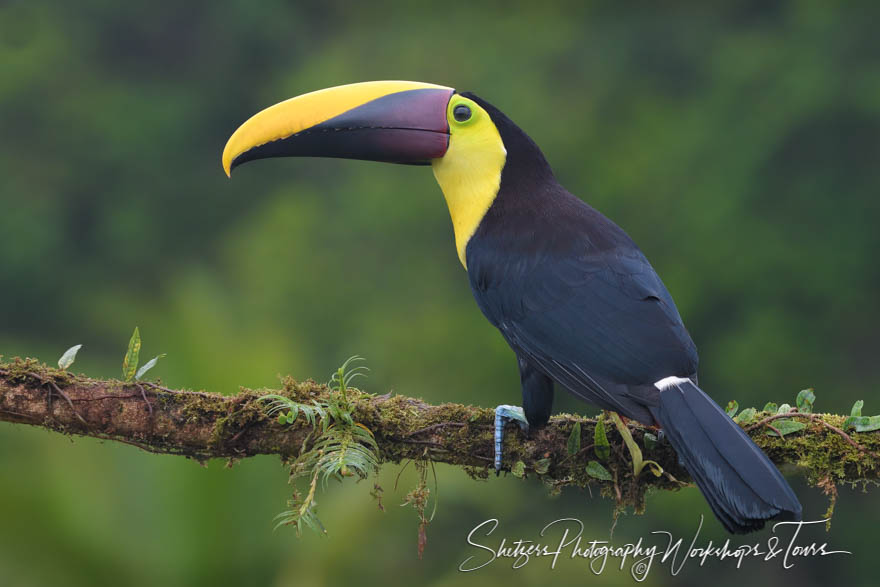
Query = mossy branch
x=203 y=425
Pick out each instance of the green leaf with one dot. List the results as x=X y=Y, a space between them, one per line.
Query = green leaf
x=635 y=452
x=857 y=408
x=732 y=407
x=746 y=416
x=769 y=407
x=854 y=415
x=542 y=466
x=147 y=366
x=649 y=440
x=862 y=423
x=130 y=362
x=786 y=426
x=784 y=409
x=282 y=418
x=805 y=399
x=597 y=471
x=655 y=467
x=519 y=469
x=601 y=446
x=868 y=423
x=68 y=357
x=574 y=439
x=859 y=422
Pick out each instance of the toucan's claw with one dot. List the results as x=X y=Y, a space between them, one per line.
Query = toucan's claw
x=503 y=415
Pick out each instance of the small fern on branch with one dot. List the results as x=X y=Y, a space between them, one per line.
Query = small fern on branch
x=343 y=447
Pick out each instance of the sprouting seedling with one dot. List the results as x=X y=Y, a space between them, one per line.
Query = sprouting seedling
x=68 y=357
x=130 y=371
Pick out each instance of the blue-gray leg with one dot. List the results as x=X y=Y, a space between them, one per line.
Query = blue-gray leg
x=503 y=415
x=537 y=392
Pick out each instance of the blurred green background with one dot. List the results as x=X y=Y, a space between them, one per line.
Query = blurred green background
x=737 y=142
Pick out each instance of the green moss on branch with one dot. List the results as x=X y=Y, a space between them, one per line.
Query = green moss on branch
x=209 y=425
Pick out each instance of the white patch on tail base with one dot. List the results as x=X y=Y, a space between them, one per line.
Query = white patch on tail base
x=668 y=382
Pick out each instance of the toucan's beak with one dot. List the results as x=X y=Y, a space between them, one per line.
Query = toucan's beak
x=391 y=121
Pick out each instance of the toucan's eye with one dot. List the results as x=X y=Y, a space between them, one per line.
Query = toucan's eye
x=461 y=113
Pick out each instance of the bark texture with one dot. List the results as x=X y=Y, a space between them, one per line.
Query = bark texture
x=204 y=425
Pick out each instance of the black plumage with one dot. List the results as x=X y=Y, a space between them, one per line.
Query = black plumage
x=581 y=305
x=571 y=293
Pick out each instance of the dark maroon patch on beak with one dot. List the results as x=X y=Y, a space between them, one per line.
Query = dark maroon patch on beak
x=405 y=127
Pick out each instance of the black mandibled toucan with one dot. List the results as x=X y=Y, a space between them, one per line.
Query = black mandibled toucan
x=571 y=293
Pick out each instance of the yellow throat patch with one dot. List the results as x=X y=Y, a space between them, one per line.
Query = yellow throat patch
x=470 y=172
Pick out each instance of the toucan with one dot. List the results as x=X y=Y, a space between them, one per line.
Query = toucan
x=568 y=289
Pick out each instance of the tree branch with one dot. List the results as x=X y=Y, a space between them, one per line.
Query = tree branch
x=203 y=425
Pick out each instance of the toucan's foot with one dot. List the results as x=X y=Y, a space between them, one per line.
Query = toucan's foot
x=503 y=415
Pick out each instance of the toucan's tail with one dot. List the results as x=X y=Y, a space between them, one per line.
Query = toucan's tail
x=740 y=483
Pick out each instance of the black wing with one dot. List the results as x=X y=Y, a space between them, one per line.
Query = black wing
x=583 y=305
